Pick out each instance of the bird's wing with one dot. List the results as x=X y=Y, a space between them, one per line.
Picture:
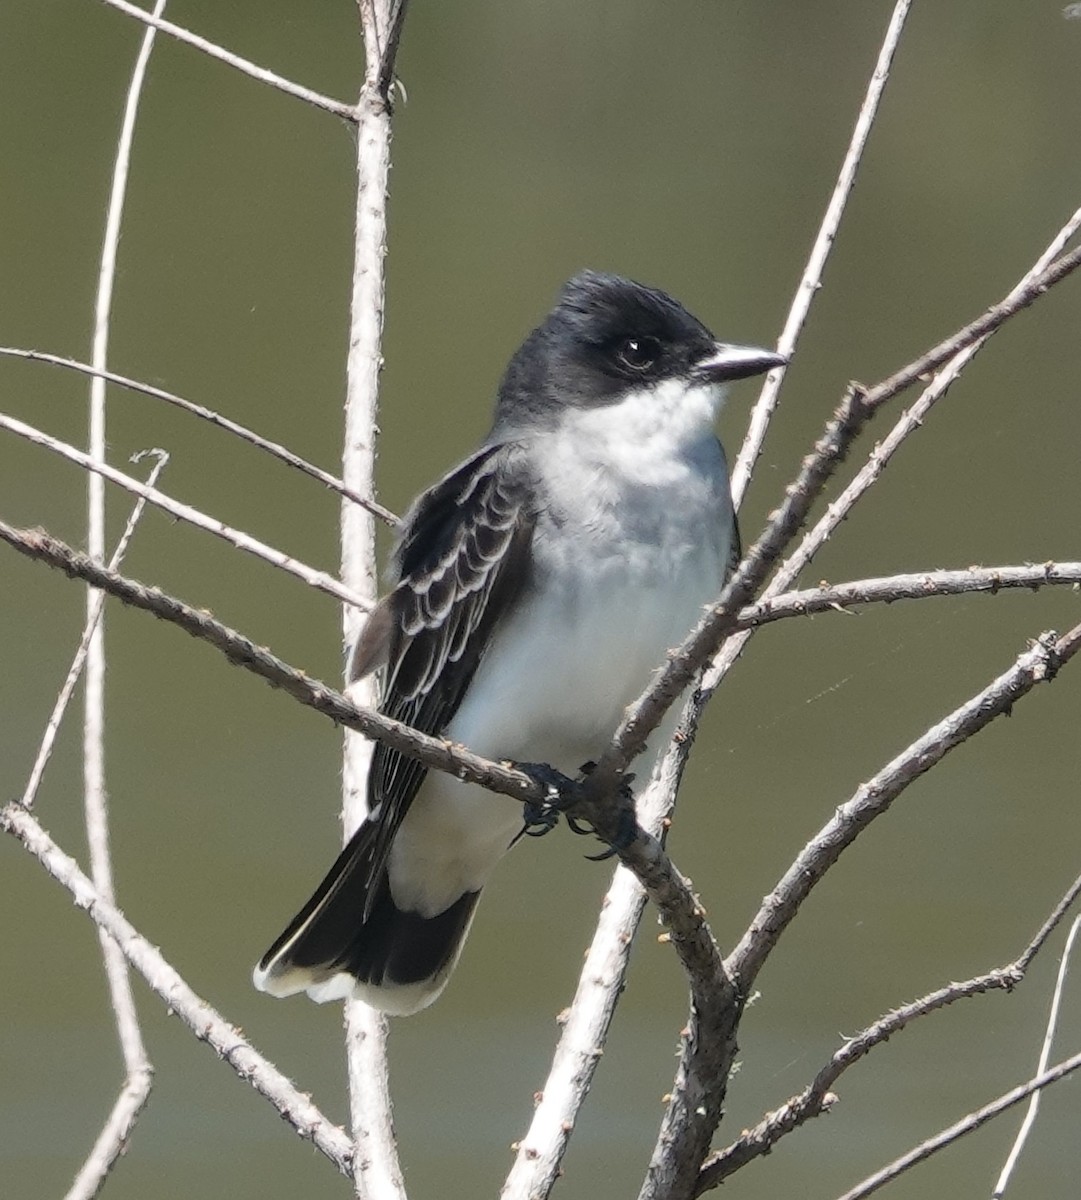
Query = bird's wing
x=463 y=559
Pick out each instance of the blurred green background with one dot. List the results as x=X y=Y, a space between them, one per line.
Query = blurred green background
x=690 y=145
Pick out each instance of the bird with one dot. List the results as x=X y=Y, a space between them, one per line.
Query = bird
x=536 y=589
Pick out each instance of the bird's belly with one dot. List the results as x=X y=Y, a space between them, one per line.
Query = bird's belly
x=558 y=675
x=552 y=688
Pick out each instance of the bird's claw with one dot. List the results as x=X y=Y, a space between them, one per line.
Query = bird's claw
x=542 y=816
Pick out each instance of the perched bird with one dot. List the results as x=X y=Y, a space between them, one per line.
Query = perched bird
x=538 y=586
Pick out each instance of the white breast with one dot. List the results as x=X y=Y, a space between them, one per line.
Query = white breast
x=647 y=497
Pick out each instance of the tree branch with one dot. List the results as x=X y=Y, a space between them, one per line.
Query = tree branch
x=184 y=512
x=205 y=414
x=137 y=1069
x=207 y=1024
x=967 y=1124
x=1045 y=1055
x=811 y=281
x=817 y=1097
x=67 y=688
x=379 y=1174
x=1038 y=664
x=436 y=753
x=917 y=585
x=234 y=60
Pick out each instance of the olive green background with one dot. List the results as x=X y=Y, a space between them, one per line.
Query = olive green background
x=692 y=145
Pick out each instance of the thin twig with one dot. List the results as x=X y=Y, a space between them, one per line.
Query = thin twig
x=1003 y=1181
x=378 y=1175
x=205 y=414
x=916 y=585
x=581 y=1043
x=967 y=1124
x=1038 y=664
x=52 y=726
x=811 y=281
x=817 y=1097
x=184 y=512
x=908 y=423
x=207 y=1024
x=137 y=1069
x=234 y=60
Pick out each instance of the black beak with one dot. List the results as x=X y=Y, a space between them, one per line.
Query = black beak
x=726 y=363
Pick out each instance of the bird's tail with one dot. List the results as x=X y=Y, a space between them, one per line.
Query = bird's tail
x=395 y=961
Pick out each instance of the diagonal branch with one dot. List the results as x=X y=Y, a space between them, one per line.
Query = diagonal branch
x=184 y=512
x=1027 y=1124
x=1038 y=664
x=241 y=651
x=686 y=1133
x=967 y=1124
x=818 y=1098
x=234 y=60
x=766 y=404
x=212 y=418
x=67 y=688
x=207 y=1024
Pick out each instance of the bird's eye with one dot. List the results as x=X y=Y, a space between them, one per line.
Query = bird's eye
x=638 y=353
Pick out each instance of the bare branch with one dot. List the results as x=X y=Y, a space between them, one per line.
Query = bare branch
x=213 y=418
x=207 y=1024
x=52 y=726
x=1038 y=664
x=137 y=1069
x=914 y=586
x=381 y=21
x=585 y=1029
x=766 y=404
x=1045 y=1057
x=817 y=1097
x=378 y=1175
x=241 y=651
x=906 y=425
x=958 y=1130
x=234 y=60
x=135 y=1091
x=184 y=512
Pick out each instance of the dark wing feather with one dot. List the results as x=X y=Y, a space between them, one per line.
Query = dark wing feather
x=462 y=559
x=735 y=550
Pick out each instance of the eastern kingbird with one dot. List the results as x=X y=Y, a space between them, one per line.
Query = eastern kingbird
x=537 y=589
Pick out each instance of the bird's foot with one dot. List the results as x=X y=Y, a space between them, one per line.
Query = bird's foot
x=542 y=816
x=625 y=827
x=563 y=796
